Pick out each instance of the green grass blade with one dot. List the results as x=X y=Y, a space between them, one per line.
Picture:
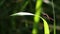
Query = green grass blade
x=24 y=5
x=38 y=10
x=34 y=31
x=36 y=17
x=46 y=27
x=54 y=17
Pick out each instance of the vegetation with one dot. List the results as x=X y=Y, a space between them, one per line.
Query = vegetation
x=43 y=21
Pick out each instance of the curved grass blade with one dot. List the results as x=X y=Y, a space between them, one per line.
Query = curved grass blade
x=21 y=14
x=46 y=27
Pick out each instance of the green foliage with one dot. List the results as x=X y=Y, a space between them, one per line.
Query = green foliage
x=8 y=8
x=37 y=14
x=36 y=19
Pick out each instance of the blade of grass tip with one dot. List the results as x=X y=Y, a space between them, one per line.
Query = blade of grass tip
x=36 y=17
x=46 y=27
x=54 y=18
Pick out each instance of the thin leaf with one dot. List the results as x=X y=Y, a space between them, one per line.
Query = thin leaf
x=24 y=5
x=38 y=10
x=46 y=27
x=21 y=14
x=54 y=17
x=36 y=17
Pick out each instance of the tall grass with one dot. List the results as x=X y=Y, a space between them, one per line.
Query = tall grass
x=37 y=14
x=54 y=17
x=37 y=17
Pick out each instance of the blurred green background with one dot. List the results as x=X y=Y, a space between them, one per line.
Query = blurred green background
x=17 y=24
